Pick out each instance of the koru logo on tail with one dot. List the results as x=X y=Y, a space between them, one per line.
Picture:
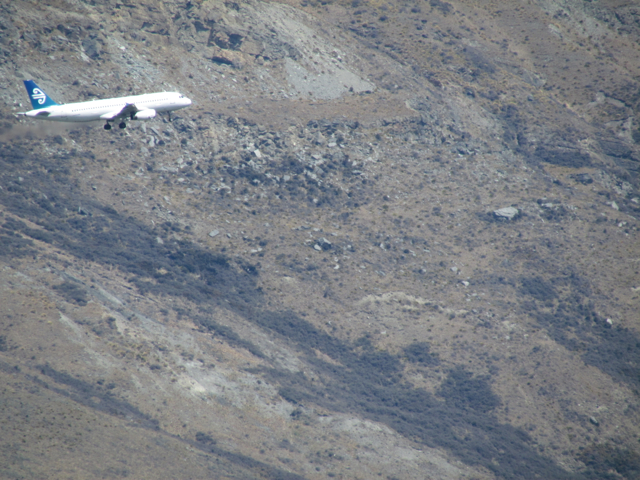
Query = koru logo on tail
x=38 y=95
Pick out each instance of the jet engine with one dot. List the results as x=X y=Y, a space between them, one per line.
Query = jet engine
x=145 y=114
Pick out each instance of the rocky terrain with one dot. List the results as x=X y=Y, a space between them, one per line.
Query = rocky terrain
x=390 y=240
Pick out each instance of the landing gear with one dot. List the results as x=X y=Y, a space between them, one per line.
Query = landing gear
x=122 y=125
x=169 y=114
x=107 y=126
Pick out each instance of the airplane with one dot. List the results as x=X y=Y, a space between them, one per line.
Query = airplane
x=135 y=107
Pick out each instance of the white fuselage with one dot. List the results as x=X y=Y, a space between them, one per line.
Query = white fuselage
x=103 y=109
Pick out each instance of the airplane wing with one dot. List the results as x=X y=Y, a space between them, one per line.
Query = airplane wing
x=127 y=111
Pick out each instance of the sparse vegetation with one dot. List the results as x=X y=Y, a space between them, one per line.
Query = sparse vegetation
x=303 y=274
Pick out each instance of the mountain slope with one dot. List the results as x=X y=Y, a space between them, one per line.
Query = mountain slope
x=386 y=240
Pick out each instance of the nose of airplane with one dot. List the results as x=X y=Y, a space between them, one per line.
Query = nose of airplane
x=187 y=101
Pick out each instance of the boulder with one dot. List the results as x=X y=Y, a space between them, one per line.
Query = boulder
x=507 y=213
x=324 y=244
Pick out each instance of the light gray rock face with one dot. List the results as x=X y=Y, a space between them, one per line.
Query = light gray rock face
x=507 y=213
x=324 y=86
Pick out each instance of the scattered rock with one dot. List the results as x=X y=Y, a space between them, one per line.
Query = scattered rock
x=594 y=421
x=213 y=233
x=583 y=178
x=221 y=60
x=91 y=48
x=507 y=213
x=325 y=244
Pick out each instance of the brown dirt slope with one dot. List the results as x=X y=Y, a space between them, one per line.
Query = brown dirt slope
x=394 y=240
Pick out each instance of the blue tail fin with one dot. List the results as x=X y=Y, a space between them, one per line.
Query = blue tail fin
x=39 y=99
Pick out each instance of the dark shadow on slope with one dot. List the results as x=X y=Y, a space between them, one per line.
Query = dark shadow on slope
x=605 y=459
x=230 y=336
x=101 y=399
x=13 y=244
x=72 y=292
x=419 y=353
x=563 y=156
x=572 y=321
x=467 y=392
x=369 y=382
x=93 y=396
x=91 y=231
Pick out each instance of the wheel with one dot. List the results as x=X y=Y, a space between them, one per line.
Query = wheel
x=107 y=126
x=122 y=125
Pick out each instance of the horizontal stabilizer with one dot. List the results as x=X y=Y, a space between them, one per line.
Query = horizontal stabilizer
x=33 y=113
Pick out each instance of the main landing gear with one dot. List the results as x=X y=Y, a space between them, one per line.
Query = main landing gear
x=107 y=125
